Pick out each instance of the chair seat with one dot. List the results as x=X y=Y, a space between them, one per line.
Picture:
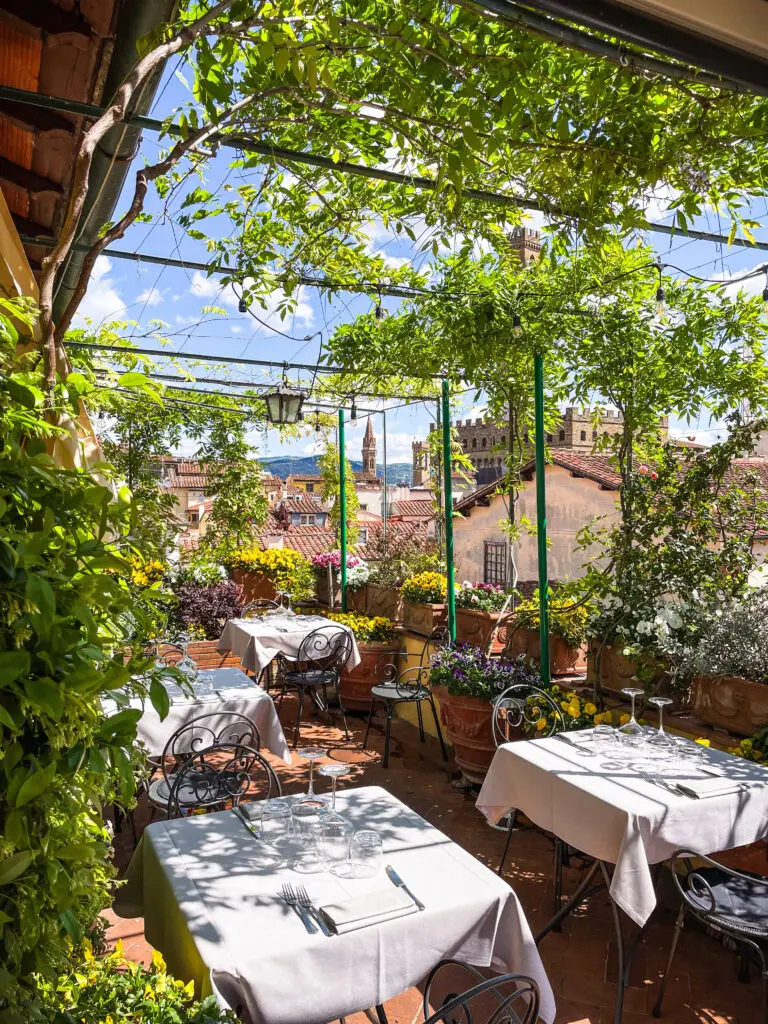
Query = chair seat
x=312 y=677
x=740 y=903
x=388 y=691
x=189 y=796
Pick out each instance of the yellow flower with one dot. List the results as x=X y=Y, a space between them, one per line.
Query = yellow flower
x=623 y=719
x=590 y=709
x=157 y=960
x=598 y=719
x=746 y=744
x=702 y=742
x=573 y=710
x=564 y=705
x=541 y=724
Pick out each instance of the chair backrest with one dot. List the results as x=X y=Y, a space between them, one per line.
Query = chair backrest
x=169 y=653
x=414 y=680
x=204 y=731
x=221 y=776
x=437 y=640
x=327 y=648
x=502 y=999
x=258 y=607
x=527 y=707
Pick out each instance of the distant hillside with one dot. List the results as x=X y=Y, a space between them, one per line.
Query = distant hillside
x=284 y=465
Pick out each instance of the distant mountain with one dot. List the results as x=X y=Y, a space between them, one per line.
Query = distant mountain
x=284 y=465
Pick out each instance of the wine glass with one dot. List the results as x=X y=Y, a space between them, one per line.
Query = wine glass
x=312 y=754
x=632 y=732
x=333 y=771
x=658 y=740
x=305 y=818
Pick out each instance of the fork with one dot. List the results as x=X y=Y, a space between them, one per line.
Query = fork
x=306 y=903
x=288 y=896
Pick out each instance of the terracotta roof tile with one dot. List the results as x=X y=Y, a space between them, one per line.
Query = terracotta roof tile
x=305 y=504
x=421 y=507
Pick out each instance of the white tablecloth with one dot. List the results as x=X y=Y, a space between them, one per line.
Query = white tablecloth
x=256 y=642
x=207 y=891
x=232 y=692
x=606 y=810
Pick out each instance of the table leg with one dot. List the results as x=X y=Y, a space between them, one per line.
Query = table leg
x=381 y=1014
x=625 y=955
x=584 y=891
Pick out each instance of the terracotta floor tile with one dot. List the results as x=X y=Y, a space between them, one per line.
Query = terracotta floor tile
x=703 y=987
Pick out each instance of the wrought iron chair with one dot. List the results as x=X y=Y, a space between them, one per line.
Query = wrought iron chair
x=411 y=686
x=258 y=607
x=204 y=732
x=322 y=656
x=221 y=776
x=733 y=903
x=528 y=708
x=501 y=999
x=168 y=652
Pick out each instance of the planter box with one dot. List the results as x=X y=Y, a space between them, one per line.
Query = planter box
x=323 y=591
x=424 y=618
x=563 y=660
x=737 y=705
x=610 y=669
x=356 y=602
x=356 y=683
x=254 y=585
x=473 y=627
x=468 y=724
x=386 y=601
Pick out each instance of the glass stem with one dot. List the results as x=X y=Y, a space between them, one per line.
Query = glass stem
x=661 y=722
x=310 y=791
x=333 y=793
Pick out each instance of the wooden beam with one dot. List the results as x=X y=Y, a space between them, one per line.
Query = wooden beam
x=35 y=117
x=25 y=178
x=49 y=17
x=28 y=227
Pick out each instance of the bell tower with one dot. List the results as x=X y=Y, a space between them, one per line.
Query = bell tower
x=420 y=463
x=369 y=451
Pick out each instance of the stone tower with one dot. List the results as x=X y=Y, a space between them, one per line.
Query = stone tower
x=369 y=451
x=420 y=463
x=525 y=243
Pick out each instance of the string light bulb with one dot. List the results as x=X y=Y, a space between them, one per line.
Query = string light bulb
x=765 y=296
x=661 y=295
x=353 y=412
x=517 y=328
x=242 y=306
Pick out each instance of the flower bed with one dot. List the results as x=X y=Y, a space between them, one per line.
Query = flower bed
x=265 y=572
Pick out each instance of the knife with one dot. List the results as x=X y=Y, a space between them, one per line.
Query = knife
x=393 y=876
x=248 y=824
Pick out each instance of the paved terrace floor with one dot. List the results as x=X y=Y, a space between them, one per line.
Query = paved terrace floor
x=580 y=961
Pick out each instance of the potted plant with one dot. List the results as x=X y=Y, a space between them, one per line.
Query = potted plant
x=568 y=617
x=424 y=596
x=466 y=682
x=728 y=663
x=267 y=572
x=392 y=560
x=477 y=610
x=357 y=580
x=327 y=569
x=376 y=639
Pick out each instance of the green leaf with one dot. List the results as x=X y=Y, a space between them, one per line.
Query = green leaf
x=71 y=925
x=159 y=697
x=39 y=593
x=12 y=665
x=80 y=851
x=36 y=785
x=20 y=393
x=45 y=695
x=132 y=379
x=15 y=865
x=120 y=728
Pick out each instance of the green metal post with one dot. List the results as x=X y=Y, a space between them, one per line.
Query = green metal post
x=343 y=511
x=541 y=518
x=448 y=492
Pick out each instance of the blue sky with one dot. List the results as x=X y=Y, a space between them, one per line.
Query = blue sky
x=123 y=290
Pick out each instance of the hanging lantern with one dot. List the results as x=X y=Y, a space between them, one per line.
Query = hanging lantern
x=284 y=404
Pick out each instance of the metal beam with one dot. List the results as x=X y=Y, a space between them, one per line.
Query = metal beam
x=541 y=519
x=36 y=117
x=448 y=494
x=342 y=513
x=204 y=356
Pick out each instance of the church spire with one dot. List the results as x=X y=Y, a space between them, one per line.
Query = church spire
x=369 y=450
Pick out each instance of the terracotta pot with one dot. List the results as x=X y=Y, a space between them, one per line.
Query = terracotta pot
x=467 y=722
x=424 y=618
x=612 y=670
x=254 y=585
x=386 y=601
x=356 y=683
x=473 y=627
x=563 y=660
x=737 y=705
x=356 y=601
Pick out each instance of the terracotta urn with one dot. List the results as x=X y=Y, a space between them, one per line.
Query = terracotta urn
x=737 y=705
x=356 y=683
x=386 y=601
x=254 y=585
x=563 y=659
x=468 y=725
x=424 y=618
x=612 y=670
x=474 y=627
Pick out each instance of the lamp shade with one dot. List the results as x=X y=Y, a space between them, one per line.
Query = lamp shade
x=284 y=405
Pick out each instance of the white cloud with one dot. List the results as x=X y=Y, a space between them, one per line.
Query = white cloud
x=753 y=286
x=151 y=297
x=236 y=329
x=658 y=201
x=102 y=301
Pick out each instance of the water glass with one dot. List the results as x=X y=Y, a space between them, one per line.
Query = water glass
x=366 y=853
x=275 y=820
x=305 y=815
x=333 y=839
x=604 y=738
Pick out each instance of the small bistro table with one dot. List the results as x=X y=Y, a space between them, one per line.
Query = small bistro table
x=257 y=642
x=231 y=691
x=207 y=889
x=604 y=808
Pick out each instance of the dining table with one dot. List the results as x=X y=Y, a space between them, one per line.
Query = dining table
x=257 y=641
x=628 y=810
x=207 y=888
x=218 y=692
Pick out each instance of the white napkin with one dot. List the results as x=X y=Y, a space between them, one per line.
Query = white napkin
x=712 y=786
x=372 y=908
x=252 y=811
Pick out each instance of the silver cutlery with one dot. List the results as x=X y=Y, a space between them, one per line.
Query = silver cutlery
x=662 y=783
x=393 y=876
x=289 y=897
x=247 y=822
x=306 y=903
